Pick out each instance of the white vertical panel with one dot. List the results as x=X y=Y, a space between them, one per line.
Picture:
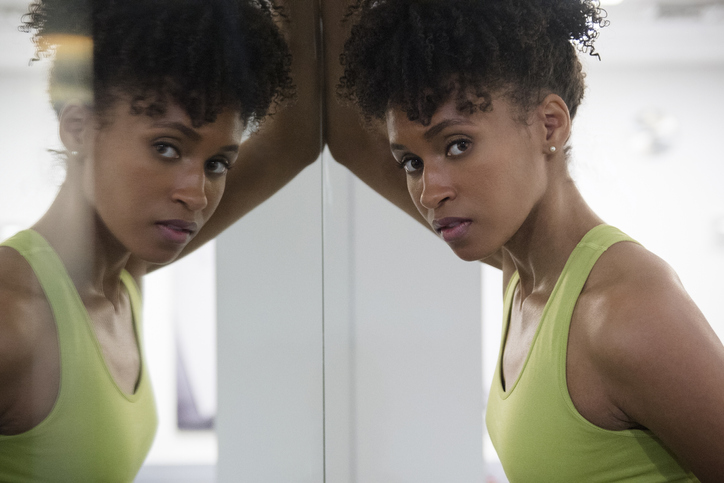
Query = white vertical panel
x=269 y=286
x=402 y=316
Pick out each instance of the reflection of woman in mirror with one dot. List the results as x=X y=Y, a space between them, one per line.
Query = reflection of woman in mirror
x=152 y=100
x=608 y=371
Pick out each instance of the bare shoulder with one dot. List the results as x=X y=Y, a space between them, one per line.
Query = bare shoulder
x=633 y=302
x=23 y=313
x=18 y=283
x=660 y=361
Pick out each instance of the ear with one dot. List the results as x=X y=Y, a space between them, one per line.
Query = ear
x=76 y=123
x=553 y=113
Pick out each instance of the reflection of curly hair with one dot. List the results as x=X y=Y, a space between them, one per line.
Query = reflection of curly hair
x=415 y=54
x=205 y=55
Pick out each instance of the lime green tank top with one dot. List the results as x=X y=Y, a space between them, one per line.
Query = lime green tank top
x=95 y=432
x=535 y=428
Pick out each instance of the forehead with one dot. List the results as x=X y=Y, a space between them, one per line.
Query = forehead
x=127 y=114
x=500 y=113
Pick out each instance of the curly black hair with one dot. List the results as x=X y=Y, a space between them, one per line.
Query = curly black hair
x=417 y=54
x=206 y=55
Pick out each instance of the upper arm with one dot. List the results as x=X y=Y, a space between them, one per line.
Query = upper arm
x=287 y=141
x=366 y=153
x=665 y=369
x=12 y=349
x=19 y=328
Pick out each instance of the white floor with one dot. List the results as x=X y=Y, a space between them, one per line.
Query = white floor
x=177 y=474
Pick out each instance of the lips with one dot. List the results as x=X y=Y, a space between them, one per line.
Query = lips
x=177 y=231
x=451 y=228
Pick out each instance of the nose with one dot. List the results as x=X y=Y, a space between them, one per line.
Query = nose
x=190 y=189
x=436 y=187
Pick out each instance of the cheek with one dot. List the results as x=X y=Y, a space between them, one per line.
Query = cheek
x=414 y=187
x=101 y=179
x=214 y=193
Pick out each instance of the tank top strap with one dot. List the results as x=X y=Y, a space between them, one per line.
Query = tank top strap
x=57 y=285
x=76 y=338
x=134 y=293
x=571 y=281
x=535 y=428
x=508 y=296
x=95 y=431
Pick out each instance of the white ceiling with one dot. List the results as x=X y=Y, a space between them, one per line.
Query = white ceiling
x=17 y=4
x=641 y=31
x=664 y=31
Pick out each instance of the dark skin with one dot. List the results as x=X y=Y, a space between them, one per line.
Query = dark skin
x=363 y=151
x=29 y=373
x=96 y=240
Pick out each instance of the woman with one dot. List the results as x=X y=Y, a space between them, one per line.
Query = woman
x=607 y=371
x=152 y=100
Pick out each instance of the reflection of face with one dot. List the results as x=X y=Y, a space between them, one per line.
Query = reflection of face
x=474 y=177
x=155 y=181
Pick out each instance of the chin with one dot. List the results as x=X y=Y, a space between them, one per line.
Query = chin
x=157 y=257
x=471 y=254
x=468 y=255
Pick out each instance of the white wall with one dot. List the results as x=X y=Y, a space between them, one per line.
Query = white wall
x=402 y=345
x=269 y=284
x=30 y=175
x=398 y=395
x=672 y=202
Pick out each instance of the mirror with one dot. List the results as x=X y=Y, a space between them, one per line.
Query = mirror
x=335 y=363
x=403 y=399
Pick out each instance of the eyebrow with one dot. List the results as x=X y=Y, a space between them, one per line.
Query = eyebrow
x=232 y=148
x=190 y=133
x=187 y=131
x=435 y=130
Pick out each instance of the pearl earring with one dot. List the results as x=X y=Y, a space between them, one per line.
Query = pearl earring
x=553 y=149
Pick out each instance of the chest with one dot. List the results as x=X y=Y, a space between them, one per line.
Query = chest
x=84 y=429
x=108 y=338
x=524 y=321
x=565 y=357
x=115 y=333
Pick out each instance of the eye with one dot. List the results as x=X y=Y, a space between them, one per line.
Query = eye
x=411 y=165
x=458 y=147
x=217 y=166
x=166 y=150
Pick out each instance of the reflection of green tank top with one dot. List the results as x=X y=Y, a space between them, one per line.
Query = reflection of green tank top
x=534 y=426
x=95 y=432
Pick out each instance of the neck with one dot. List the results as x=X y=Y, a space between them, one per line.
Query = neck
x=546 y=239
x=93 y=257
